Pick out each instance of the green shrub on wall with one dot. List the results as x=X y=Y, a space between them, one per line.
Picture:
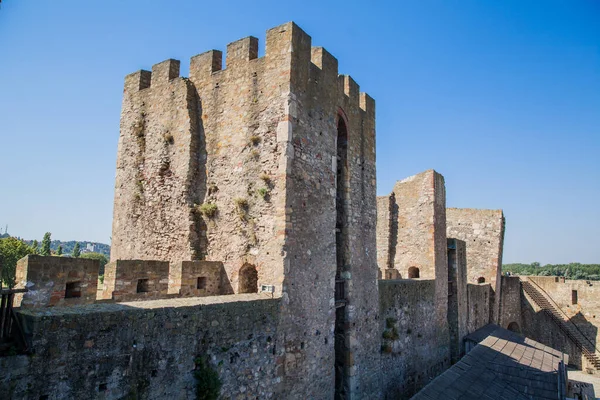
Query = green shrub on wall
x=208 y=383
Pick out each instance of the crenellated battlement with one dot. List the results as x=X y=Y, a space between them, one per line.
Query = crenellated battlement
x=64 y=281
x=286 y=44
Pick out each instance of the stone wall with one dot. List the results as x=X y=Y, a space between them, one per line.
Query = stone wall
x=540 y=327
x=198 y=278
x=457 y=297
x=510 y=304
x=483 y=231
x=421 y=202
x=256 y=144
x=129 y=280
x=56 y=281
x=478 y=296
x=147 y=350
x=585 y=313
x=414 y=349
x=385 y=210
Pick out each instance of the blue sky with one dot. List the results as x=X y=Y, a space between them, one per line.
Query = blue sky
x=501 y=97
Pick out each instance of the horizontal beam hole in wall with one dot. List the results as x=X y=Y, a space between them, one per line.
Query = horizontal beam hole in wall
x=143 y=286
x=73 y=290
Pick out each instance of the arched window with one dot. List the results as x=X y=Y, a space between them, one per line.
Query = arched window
x=481 y=279
x=248 y=279
x=413 y=272
x=514 y=327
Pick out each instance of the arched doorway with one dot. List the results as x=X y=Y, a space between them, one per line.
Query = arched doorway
x=413 y=272
x=514 y=327
x=248 y=279
x=481 y=279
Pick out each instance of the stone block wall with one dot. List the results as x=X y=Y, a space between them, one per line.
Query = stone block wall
x=478 y=300
x=540 y=327
x=198 y=278
x=387 y=232
x=510 y=304
x=483 y=232
x=457 y=297
x=585 y=313
x=421 y=235
x=256 y=142
x=414 y=350
x=147 y=350
x=129 y=280
x=56 y=281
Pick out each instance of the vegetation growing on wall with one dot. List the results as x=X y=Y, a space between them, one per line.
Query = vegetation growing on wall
x=208 y=383
x=569 y=271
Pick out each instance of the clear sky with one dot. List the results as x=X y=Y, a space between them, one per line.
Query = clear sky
x=501 y=97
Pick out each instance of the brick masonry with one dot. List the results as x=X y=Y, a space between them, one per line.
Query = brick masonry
x=56 y=281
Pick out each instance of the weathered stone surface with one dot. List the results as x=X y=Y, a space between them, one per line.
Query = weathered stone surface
x=198 y=278
x=147 y=349
x=414 y=349
x=259 y=140
x=127 y=280
x=56 y=281
x=478 y=301
x=577 y=301
x=483 y=232
x=458 y=306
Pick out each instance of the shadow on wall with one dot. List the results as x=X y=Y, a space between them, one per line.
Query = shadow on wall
x=539 y=326
x=139 y=351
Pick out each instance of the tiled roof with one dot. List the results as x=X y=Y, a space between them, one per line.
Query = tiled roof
x=504 y=365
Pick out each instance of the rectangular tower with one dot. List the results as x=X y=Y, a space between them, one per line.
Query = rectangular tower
x=268 y=165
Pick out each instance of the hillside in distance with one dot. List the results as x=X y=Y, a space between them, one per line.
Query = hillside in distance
x=67 y=246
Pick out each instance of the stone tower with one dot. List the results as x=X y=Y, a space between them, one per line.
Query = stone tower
x=267 y=165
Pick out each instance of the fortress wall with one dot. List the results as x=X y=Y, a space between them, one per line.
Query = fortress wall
x=130 y=280
x=421 y=202
x=147 y=349
x=478 y=296
x=158 y=145
x=198 y=278
x=510 y=306
x=385 y=205
x=413 y=348
x=585 y=314
x=538 y=326
x=458 y=307
x=483 y=231
x=56 y=281
x=245 y=164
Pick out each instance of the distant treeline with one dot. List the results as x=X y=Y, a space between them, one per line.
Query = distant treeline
x=569 y=271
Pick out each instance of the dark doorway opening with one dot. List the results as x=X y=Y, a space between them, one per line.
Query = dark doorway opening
x=514 y=327
x=413 y=272
x=341 y=253
x=248 y=282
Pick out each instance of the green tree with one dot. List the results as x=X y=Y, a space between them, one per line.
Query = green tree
x=45 y=251
x=59 y=250
x=11 y=251
x=35 y=246
x=76 y=251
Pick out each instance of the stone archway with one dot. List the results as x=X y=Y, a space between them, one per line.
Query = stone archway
x=413 y=272
x=248 y=279
x=514 y=327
